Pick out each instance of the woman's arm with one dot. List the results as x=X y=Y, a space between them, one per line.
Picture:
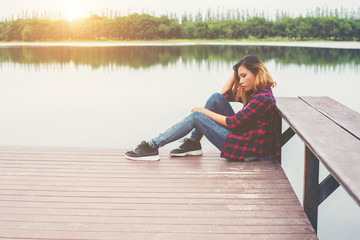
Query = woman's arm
x=257 y=107
x=229 y=84
x=221 y=119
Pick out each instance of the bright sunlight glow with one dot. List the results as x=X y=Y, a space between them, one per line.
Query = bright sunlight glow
x=72 y=13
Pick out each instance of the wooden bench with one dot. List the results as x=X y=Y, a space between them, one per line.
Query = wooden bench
x=331 y=133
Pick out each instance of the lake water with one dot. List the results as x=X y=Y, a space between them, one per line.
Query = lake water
x=115 y=96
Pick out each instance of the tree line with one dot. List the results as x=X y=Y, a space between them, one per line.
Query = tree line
x=321 y=24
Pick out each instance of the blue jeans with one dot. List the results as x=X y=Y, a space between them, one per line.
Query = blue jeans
x=199 y=124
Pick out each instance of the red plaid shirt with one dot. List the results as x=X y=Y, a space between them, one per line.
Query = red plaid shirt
x=253 y=129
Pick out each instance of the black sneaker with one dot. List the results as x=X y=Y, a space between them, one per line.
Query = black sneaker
x=188 y=148
x=143 y=152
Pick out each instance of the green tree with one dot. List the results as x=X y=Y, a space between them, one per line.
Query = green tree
x=121 y=28
x=356 y=29
x=94 y=27
x=326 y=27
x=3 y=30
x=187 y=30
x=303 y=28
x=201 y=30
x=259 y=27
x=107 y=28
x=14 y=30
x=345 y=29
x=59 y=30
x=26 y=34
x=279 y=28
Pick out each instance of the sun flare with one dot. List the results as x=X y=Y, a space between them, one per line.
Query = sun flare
x=72 y=13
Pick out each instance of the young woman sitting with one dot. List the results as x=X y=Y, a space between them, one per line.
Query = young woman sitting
x=249 y=134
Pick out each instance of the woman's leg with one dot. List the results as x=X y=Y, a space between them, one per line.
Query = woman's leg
x=216 y=103
x=213 y=131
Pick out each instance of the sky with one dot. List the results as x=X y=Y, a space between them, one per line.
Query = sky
x=78 y=8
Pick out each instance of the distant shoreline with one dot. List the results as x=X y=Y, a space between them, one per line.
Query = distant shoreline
x=186 y=42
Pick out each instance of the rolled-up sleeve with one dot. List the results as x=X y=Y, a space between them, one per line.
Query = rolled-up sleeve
x=257 y=107
x=229 y=95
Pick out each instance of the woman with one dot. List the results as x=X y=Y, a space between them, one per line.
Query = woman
x=249 y=134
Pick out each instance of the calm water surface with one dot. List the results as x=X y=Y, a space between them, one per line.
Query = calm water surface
x=117 y=96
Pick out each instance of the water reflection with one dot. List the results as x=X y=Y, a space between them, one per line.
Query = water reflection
x=56 y=81
x=148 y=56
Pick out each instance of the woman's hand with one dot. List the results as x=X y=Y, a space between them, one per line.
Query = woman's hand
x=213 y=115
x=198 y=109
x=229 y=84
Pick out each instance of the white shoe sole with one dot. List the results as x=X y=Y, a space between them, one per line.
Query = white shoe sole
x=147 y=158
x=191 y=153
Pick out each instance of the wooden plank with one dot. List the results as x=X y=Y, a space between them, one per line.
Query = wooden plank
x=84 y=185
x=59 y=194
x=108 y=211
x=243 y=221
x=75 y=235
x=163 y=205
x=337 y=112
x=169 y=228
x=201 y=187
x=168 y=195
x=154 y=181
x=19 y=201
x=13 y=167
x=333 y=146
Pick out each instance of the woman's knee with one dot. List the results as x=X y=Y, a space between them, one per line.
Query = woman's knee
x=197 y=118
x=216 y=96
x=196 y=115
x=214 y=99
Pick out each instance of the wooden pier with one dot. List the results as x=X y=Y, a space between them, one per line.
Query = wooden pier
x=80 y=193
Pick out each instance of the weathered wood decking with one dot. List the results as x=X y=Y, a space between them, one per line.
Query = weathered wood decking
x=70 y=193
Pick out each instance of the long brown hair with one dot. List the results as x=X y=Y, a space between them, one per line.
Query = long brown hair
x=262 y=77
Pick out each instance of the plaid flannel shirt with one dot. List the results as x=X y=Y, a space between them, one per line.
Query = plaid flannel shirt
x=253 y=129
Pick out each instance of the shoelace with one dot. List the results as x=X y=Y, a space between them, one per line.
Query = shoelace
x=143 y=143
x=183 y=140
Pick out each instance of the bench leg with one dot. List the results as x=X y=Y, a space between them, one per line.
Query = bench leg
x=327 y=187
x=311 y=187
x=278 y=120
